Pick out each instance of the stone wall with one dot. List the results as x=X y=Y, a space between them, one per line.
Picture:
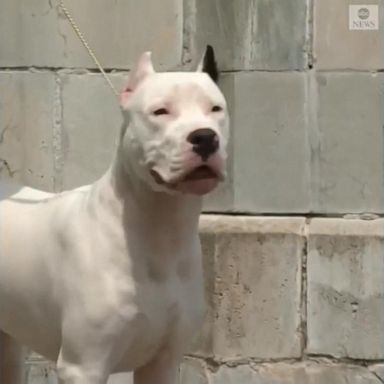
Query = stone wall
x=293 y=298
x=291 y=301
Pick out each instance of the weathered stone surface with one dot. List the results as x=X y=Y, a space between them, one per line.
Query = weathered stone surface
x=378 y=370
x=121 y=378
x=270 y=149
x=27 y=103
x=337 y=47
x=222 y=199
x=36 y=33
x=298 y=147
x=39 y=371
x=253 y=274
x=269 y=166
x=91 y=123
x=350 y=122
x=202 y=345
x=257 y=34
x=193 y=371
x=302 y=373
x=345 y=269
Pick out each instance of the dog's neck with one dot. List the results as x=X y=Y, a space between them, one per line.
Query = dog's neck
x=139 y=195
x=121 y=192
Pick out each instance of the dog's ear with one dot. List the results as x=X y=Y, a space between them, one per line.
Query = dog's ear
x=208 y=64
x=138 y=73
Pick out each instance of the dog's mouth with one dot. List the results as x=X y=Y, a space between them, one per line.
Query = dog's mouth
x=198 y=181
x=200 y=173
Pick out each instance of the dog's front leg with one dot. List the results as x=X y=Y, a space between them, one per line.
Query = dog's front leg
x=163 y=369
x=72 y=370
x=88 y=350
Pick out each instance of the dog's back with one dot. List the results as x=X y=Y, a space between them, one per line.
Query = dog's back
x=28 y=262
x=15 y=192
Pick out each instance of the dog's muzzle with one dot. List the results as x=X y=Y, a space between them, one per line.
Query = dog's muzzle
x=203 y=166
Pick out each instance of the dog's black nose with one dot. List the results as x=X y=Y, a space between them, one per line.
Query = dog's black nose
x=205 y=142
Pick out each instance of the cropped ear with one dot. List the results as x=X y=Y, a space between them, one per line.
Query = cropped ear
x=142 y=69
x=208 y=64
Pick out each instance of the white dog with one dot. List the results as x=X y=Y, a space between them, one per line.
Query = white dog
x=107 y=277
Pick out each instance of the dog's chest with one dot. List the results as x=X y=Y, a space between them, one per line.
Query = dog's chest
x=169 y=309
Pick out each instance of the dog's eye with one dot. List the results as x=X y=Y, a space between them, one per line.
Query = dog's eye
x=160 y=111
x=216 y=108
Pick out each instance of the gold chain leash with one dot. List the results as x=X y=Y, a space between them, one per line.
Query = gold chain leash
x=86 y=45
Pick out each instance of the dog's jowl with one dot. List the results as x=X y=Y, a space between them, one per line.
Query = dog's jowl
x=107 y=278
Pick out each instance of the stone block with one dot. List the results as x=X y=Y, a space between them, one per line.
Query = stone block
x=269 y=162
x=257 y=34
x=337 y=47
x=378 y=370
x=350 y=175
x=345 y=301
x=121 y=378
x=38 y=370
x=41 y=373
x=91 y=121
x=301 y=373
x=37 y=33
x=253 y=279
x=222 y=199
x=202 y=345
x=27 y=109
x=193 y=371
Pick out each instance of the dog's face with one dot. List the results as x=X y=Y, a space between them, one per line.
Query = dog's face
x=176 y=129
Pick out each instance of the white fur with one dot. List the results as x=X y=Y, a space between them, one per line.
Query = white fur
x=107 y=278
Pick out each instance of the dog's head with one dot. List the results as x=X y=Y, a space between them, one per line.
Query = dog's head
x=176 y=127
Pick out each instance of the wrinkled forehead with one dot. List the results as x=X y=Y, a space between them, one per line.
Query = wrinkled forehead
x=179 y=87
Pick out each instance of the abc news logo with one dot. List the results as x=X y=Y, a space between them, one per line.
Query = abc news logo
x=364 y=17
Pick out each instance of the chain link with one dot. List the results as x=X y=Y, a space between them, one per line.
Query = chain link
x=86 y=45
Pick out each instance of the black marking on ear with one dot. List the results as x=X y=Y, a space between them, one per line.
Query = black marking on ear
x=209 y=64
